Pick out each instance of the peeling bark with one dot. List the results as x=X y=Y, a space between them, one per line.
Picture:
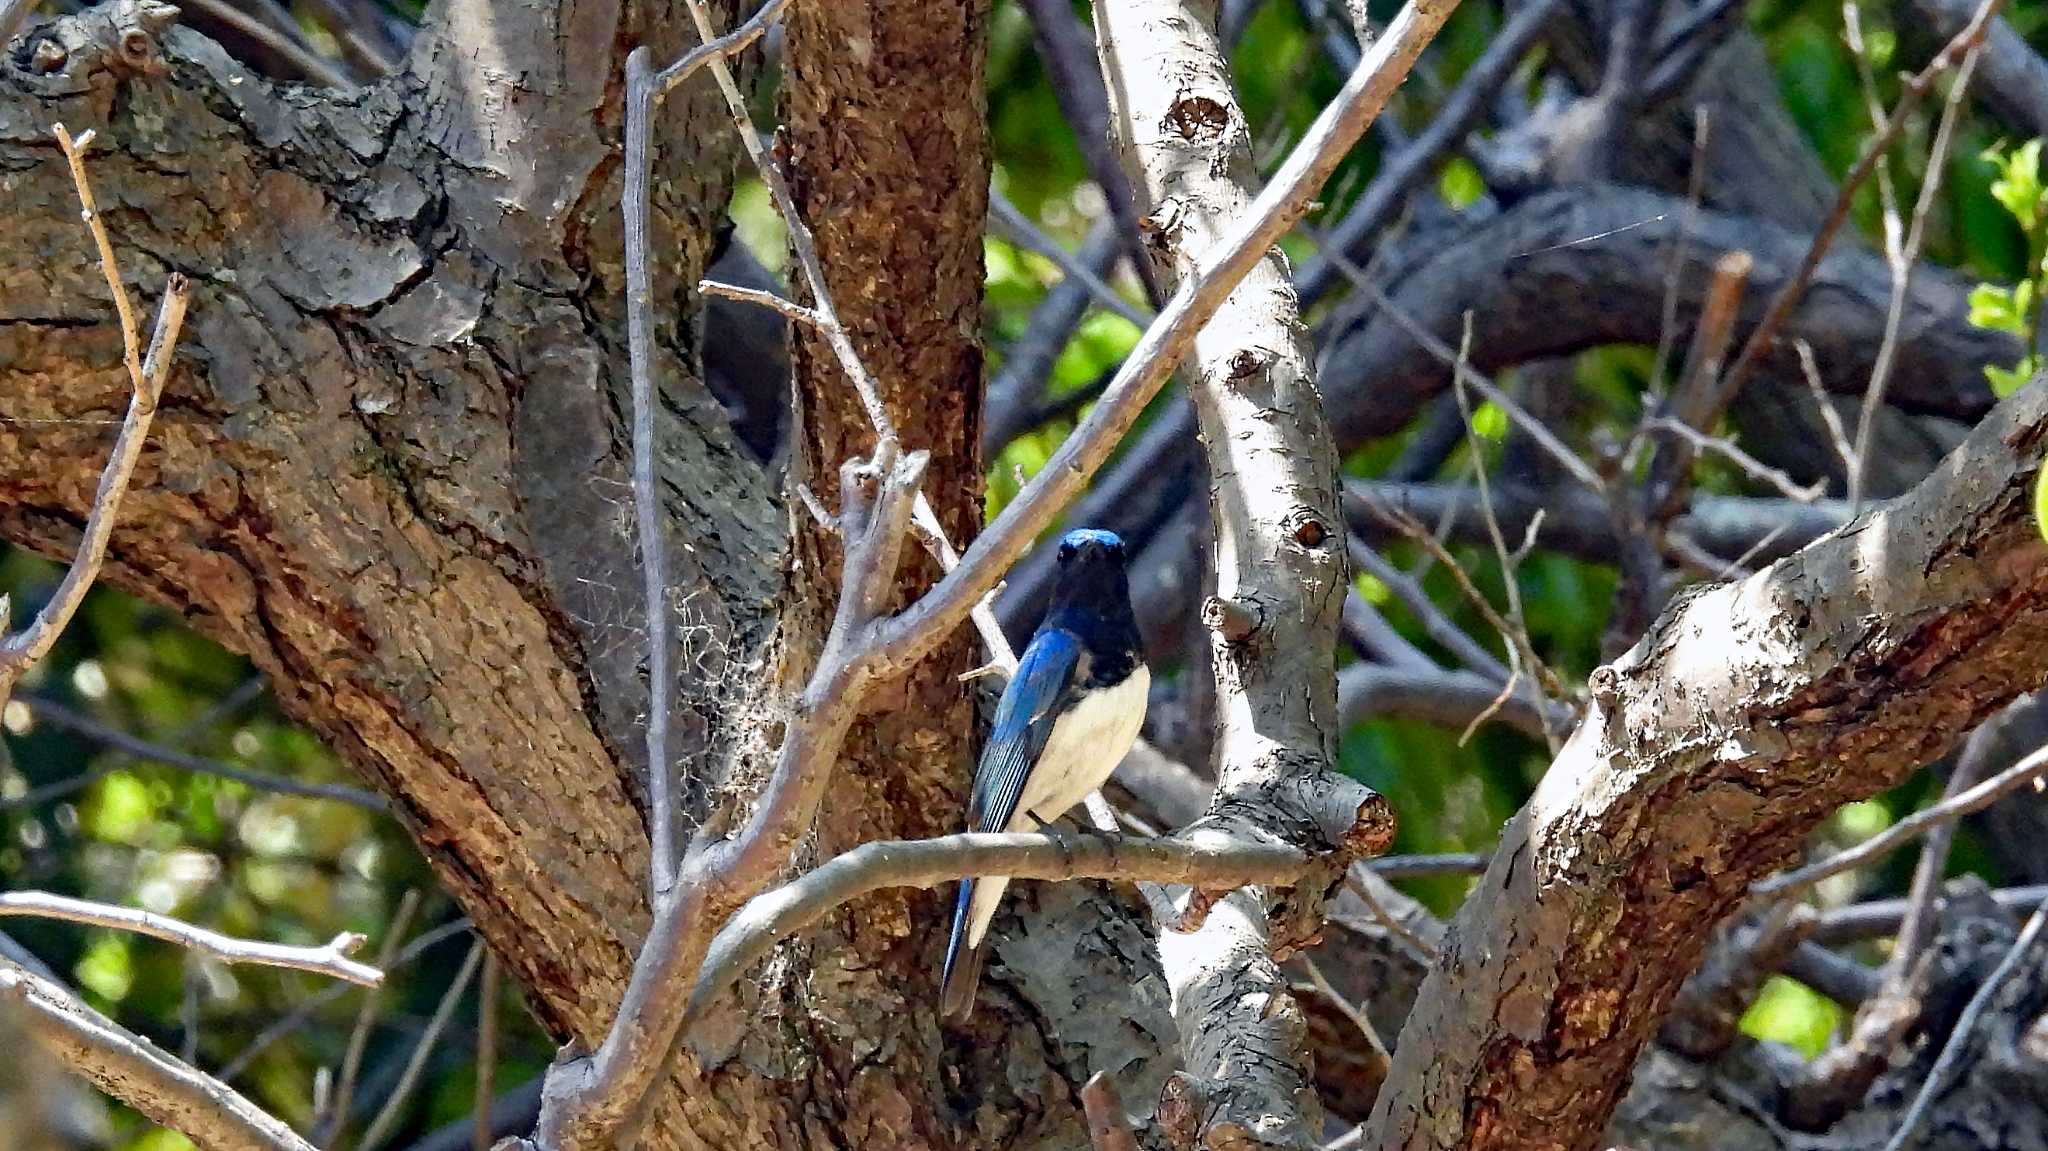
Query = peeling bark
x=1278 y=576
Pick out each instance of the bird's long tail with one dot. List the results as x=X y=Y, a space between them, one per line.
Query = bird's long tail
x=963 y=962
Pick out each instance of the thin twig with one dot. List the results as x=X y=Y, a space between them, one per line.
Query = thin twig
x=1750 y=465
x=302 y=1014
x=331 y=959
x=1958 y=1039
x=309 y=63
x=1462 y=371
x=1695 y=189
x=1379 y=1058
x=924 y=522
x=1399 y=174
x=1414 y=529
x=381 y=1127
x=221 y=708
x=487 y=996
x=1361 y=886
x=1916 y=89
x=1436 y=625
x=761 y=298
x=366 y=1016
x=49 y=711
x=1907 y=255
x=801 y=243
x=1025 y=234
x=647 y=504
x=718 y=48
x=1520 y=648
x=1919 y=823
x=1420 y=866
x=1878 y=918
x=1829 y=417
x=146 y=378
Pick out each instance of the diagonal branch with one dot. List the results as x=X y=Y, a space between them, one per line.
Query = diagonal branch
x=164 y=1089
x=146 y=377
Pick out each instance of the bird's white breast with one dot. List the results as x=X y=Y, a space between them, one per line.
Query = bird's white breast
x=1088 y=740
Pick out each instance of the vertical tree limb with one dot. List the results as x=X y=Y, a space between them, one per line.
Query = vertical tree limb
x=1279 y=570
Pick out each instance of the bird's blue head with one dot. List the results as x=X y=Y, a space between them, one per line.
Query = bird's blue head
x=1092 y=596
x=1091 y=546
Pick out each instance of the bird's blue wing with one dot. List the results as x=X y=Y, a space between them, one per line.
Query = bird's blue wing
x=1024 y=721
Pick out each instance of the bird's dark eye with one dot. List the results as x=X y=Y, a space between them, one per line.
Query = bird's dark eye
x=1066 y=551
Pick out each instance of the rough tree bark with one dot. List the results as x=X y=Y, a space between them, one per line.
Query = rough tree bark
x=1278 y=573
x=392 y=469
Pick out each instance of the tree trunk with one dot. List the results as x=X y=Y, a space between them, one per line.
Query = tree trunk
x=392 y=468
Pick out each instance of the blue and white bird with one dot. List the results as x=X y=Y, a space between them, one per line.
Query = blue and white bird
x=1065 y=721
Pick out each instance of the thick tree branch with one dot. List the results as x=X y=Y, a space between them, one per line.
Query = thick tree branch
x=1749 y=712
x=1279 y=579
x=1579 y=268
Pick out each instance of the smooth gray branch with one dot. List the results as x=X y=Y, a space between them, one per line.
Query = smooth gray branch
x=166 y=1090
x=1199 y=856
x=330 y=959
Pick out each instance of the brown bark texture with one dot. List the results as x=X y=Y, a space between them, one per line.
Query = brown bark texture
x=392 y=468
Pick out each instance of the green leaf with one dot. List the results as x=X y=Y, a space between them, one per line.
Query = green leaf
x=1461 y=184
x=2006 y=381
x=2041 y=502
x=1992 y=306
x=1794 y=1014
x=2018 y=186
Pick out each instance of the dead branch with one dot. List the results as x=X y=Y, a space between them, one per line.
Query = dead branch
x=1919 y=823
x=331 y=959
x=1916 y=89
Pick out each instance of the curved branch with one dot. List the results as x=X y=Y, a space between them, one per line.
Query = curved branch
x=1749 y=713
x=1204 y=857
x=1577 y=268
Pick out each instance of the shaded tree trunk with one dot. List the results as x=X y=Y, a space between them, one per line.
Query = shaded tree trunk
x=392 y=468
